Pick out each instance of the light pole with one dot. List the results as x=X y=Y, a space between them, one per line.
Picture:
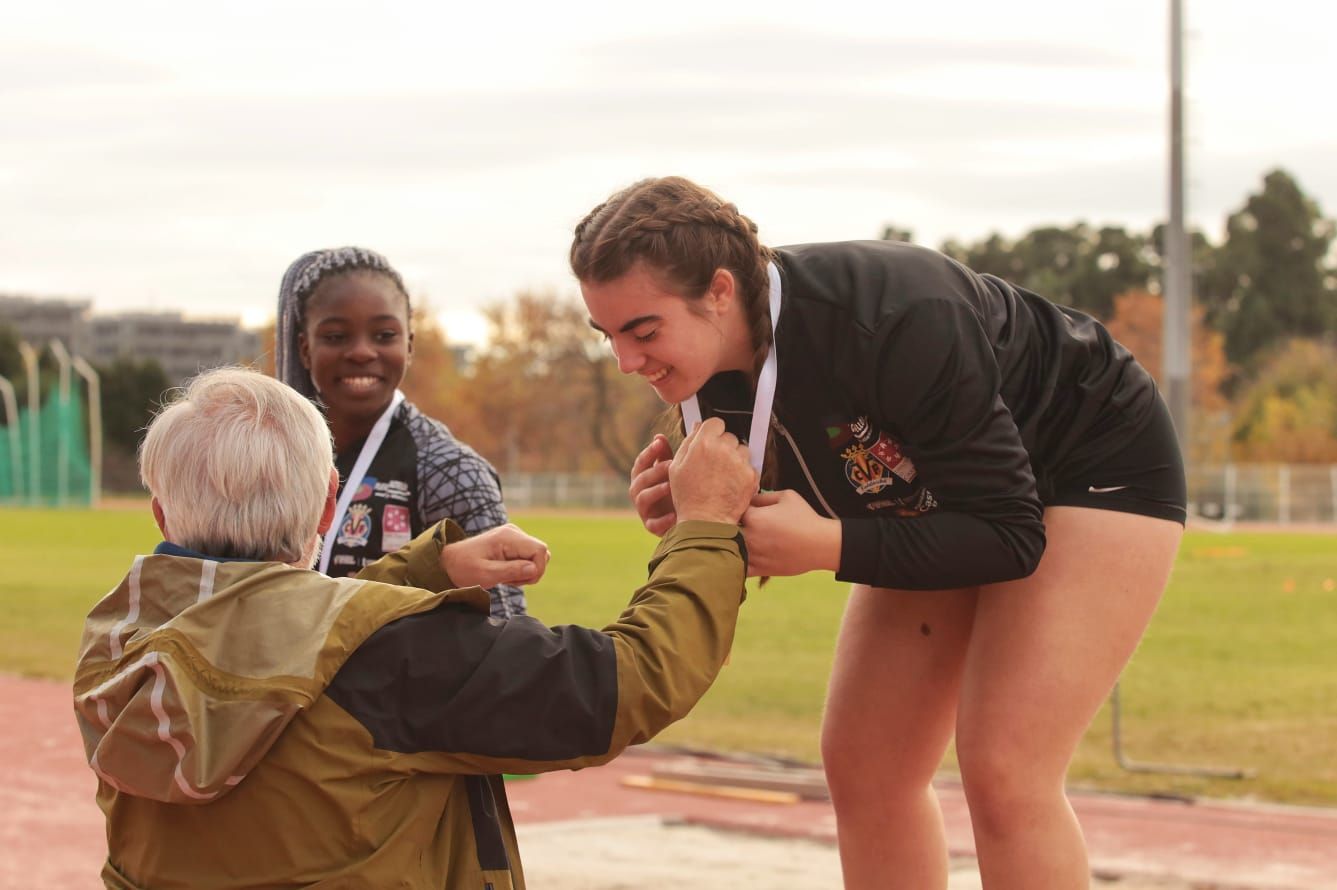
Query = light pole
x=15 y=438
x=86 y=371
x=1178 y=296
x=1178 y=281
x=62 y=424
x=29 y=356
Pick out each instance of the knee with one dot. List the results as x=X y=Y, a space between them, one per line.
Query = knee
x=861 y=764
x=990 y=776
x=843 y=757
x=1006 y=784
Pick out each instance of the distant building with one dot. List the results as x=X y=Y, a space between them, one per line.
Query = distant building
x=40 y=320
x=181 y=345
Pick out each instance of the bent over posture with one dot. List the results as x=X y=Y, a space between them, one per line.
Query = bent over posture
x=255 y=723
x=996 y=476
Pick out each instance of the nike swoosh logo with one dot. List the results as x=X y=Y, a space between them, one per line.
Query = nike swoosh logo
x=1106 y=490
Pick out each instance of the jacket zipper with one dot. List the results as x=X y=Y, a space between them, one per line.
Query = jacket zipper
x=780 y=428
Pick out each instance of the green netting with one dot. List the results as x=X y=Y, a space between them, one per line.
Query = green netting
x=61 y=474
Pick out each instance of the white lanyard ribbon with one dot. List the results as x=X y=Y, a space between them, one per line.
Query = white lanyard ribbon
x=761 y=407
x=354 y=481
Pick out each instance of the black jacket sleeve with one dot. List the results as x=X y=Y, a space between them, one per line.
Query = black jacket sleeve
x=455 y=680
x=938 y=385
x=483 y=695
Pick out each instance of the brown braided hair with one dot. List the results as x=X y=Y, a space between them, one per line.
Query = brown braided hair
x=683 y=233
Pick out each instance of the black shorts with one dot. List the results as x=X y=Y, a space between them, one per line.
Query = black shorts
x=1143 y=473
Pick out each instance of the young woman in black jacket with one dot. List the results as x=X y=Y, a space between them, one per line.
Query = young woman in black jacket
x=997 y=477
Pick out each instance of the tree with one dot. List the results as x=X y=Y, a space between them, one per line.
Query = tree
x=518 y=391
x=132 y=390
x=433 y=378
x=1116 y=262
x=11 y=362
x=1273 y=277
x=1289 y=412
x=995 y=255
x=543 y=394
x=1138 y=324
x=1077 y=266
x=264 y=362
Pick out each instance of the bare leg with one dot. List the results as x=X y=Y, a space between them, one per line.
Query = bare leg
x=1044 y=653
x=889 y=716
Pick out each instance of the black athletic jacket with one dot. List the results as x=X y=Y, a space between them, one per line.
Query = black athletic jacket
x=932 y=409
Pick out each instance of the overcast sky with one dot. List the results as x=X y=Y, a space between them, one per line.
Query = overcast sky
x=179 y=155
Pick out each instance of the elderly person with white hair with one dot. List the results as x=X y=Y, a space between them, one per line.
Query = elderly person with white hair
x=255 y=723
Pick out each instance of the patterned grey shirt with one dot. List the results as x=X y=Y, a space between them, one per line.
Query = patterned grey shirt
x=421 y=475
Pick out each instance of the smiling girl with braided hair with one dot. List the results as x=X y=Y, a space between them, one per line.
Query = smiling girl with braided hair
x=997 y=477
x=344 y=339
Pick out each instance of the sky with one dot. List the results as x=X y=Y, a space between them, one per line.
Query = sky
x=177 y=156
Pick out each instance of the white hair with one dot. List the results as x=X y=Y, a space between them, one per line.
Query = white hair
x=240 y=464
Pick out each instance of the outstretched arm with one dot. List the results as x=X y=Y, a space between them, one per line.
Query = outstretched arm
x=486 y=696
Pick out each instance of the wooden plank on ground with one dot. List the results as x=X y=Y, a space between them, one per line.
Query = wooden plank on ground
x=754 y=795
x=807 y=783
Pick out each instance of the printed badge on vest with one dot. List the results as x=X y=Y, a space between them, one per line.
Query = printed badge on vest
x=365 y=490
x=356 y=529
x=394 y=527
x=875 y=463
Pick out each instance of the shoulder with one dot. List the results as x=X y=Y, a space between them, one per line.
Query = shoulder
x=418 y=424
x=868 y=262
x=436 y=444
x=849 y=302
x=866 y=281
x=454 y=480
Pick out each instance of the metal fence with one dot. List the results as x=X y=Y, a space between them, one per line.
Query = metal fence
x=1281 y=493
x=567 y=490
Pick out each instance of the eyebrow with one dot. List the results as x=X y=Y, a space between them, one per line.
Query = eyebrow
x=339 y=319
x=634 y=323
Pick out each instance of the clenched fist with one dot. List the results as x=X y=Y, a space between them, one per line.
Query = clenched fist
x=501 y=555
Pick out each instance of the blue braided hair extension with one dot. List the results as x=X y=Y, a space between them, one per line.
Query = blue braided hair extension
x=299 y=282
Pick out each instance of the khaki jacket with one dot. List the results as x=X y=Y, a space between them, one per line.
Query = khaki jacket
x=256 y=725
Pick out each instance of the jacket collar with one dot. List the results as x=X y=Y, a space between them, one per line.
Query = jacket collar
x=167 y=548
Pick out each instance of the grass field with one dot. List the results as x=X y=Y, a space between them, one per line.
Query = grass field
x=1239 y=668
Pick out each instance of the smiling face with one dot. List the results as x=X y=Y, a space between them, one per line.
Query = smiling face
x=355 y=342
x=676 y=343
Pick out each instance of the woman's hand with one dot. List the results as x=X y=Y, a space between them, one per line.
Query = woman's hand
x=649 y=488
x=785 y=536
